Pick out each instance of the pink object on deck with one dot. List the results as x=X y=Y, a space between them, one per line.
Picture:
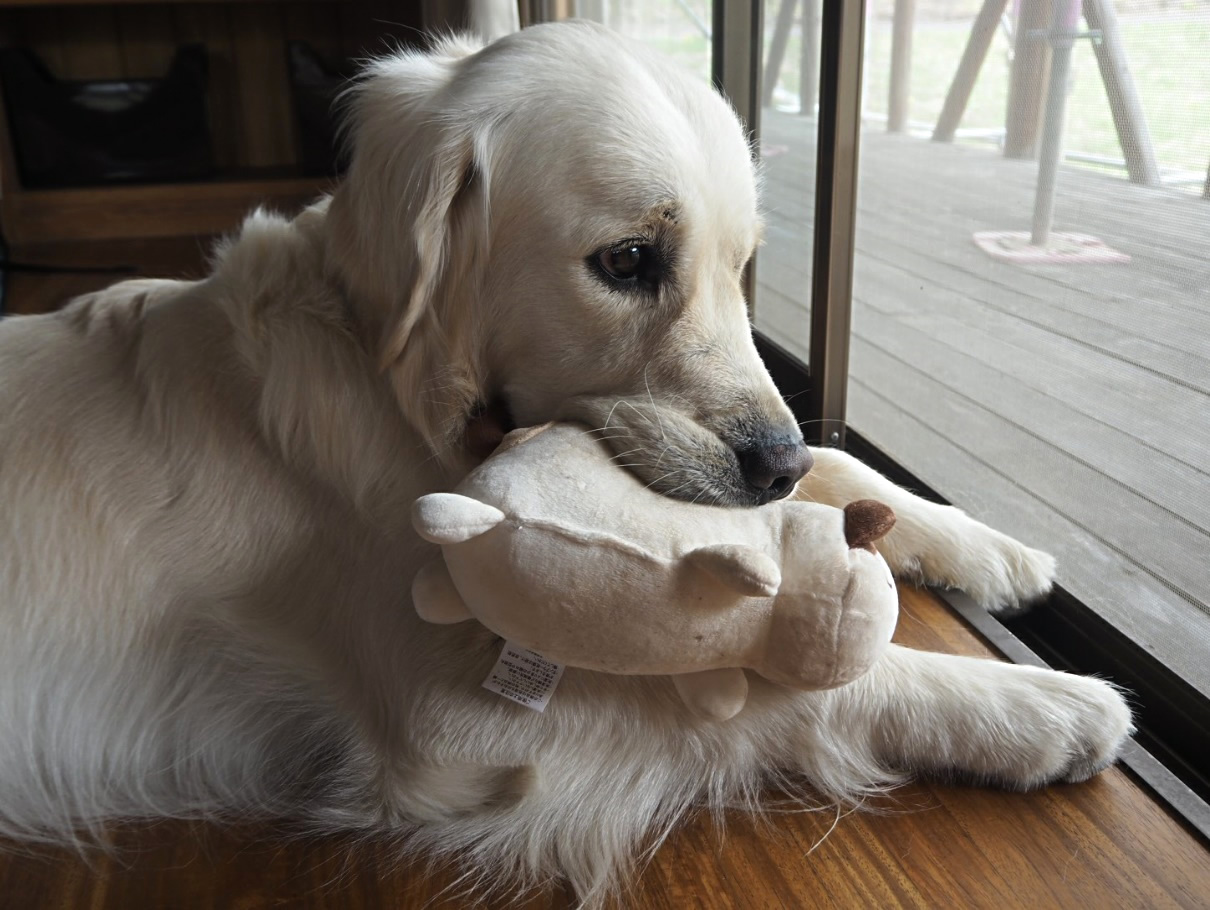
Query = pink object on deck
x=1063 y=247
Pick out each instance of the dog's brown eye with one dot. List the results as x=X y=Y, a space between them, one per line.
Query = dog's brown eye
x=624 y=262
x=630 y=264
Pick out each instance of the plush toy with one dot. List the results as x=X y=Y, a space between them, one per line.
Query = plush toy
x=554 y=547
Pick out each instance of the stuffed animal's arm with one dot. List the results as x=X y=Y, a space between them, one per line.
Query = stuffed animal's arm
x=713 y=694
x=435 y=597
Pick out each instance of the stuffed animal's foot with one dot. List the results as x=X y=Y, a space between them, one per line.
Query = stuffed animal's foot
x=435 y=597
x=713 y=694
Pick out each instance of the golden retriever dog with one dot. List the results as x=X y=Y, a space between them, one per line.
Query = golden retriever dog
x=205 y=546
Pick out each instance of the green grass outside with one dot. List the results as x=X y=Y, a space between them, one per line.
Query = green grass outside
x=692 y=51
x=1168 y=55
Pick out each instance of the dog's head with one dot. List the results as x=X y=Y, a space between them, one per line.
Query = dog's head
x=558 y=224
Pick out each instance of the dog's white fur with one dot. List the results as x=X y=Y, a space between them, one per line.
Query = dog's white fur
x=204 y=489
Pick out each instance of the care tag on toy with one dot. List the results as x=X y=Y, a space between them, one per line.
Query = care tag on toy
x=524 y=677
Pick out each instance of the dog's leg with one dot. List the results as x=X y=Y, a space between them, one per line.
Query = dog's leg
x=932 y=543
x=1019 y=727
x=432 y=793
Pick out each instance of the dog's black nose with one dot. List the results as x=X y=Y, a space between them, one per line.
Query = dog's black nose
x=776 y=468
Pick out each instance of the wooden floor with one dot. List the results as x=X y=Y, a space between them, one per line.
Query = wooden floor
x=1068 y=405
x=1102 y=844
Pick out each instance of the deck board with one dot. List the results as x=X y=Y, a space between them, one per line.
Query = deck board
x=1069 y=405
x=1085 y=379
x=1166 y=482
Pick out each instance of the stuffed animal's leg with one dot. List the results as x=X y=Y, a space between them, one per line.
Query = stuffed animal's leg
x=1019 y=727
x=713 y=694
x=435 y=597
x=933 y=543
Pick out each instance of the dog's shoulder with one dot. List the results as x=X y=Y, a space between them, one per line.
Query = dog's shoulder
x=119 y=309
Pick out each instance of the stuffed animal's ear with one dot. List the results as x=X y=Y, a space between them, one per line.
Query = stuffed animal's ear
x=450 y=518
x=748 y=571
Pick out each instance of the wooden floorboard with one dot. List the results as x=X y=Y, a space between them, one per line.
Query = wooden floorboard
x=983 y=487
x=1138 y=469
x=1084 y=409
x=1133 y=529
x=983 y=188
x=1074 y=402
x=911 y=194
x=947 y=251
x=1018 y=356
x=1170 y=336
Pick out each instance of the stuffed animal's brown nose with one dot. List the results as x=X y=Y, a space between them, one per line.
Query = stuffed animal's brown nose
x=866 y=521
x=776 y=468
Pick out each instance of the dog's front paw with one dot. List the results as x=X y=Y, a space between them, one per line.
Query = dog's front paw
x=999 y=573
x=1005 y=576
x=1051 y=727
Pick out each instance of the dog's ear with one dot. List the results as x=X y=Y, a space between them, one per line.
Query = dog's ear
x=404 y=233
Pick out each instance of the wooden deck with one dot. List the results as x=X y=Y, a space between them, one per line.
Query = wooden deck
x=1068 y=405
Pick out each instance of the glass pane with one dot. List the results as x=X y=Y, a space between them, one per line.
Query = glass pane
x=782 y=308
x=678 y=28
x=1042 y=356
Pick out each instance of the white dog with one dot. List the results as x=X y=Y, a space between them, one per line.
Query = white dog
x=205 y=550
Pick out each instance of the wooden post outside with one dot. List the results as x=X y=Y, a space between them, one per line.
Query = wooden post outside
x=977 y=46
x=1133 y=135
x=1062 y=41
x=532 y=12
x=1027 y=84
x=901 y=65
x=777 y=48
x=808 y=66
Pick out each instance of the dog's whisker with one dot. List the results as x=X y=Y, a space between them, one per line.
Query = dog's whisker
x=677 y=489
x=805 y=423
x=658 y=479
x=609 y=416
x=651 y=398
